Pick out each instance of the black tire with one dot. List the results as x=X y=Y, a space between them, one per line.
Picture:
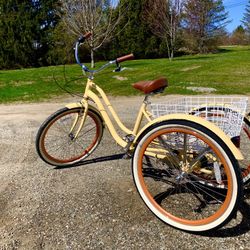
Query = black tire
x=55 y=142
x=167 y=169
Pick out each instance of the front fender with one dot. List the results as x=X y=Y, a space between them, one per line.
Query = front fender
x=74 y=105
x=81 y=105
x=215 y=129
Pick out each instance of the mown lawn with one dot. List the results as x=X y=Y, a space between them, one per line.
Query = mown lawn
x=228 y=72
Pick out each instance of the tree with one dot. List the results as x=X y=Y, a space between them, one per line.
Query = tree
x=46 y=20
x=133 y=33
x=25 y=29
x=204 y=21
x=239 y=36
x=15 y=34
x=60 y=46
x=100 y=17
x=246 y=19
x=164 y=18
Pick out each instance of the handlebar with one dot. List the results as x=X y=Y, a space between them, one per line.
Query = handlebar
x=84 y=37
x=125 y=58
x=85 y=68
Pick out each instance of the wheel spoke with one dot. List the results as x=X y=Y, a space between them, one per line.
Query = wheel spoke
x=192 y=187
x=199 y=157
x=185 y=147
x=172 y=157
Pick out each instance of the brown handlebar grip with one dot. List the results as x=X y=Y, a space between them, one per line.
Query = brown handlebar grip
x=87 y=35
x=125 y=58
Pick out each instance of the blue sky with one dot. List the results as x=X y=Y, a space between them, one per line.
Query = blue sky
x=236 y=9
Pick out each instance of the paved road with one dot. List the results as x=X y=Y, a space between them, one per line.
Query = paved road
x=92 y=206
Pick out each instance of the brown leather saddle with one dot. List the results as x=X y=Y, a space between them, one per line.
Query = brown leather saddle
x=151 y=87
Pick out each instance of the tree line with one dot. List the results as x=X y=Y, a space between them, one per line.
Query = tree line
x=37 y=33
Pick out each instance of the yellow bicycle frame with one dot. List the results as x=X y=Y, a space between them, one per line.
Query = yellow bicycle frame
x=89 y=94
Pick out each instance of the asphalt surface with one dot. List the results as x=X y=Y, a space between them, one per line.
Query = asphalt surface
x=91 y=206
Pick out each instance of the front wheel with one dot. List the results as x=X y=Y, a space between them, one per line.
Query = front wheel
x=58 y=142
x=187 y=176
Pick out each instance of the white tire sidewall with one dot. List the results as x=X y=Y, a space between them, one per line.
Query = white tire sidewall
x=168 y=220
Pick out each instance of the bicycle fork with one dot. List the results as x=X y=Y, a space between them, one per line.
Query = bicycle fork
x=80 y=119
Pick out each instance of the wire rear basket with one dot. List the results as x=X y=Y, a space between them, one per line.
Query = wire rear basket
x=226 y=112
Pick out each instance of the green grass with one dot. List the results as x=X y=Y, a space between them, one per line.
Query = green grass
x=227 y=71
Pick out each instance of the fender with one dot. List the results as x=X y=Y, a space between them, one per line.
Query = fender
x=82 y=105
x=215 y=129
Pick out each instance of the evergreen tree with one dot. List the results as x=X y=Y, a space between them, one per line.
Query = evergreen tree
x=61 y=47
x=204 y=22
x=46 y=19
x=246 y=19
x=134 y=33
x=25 y=30
x=16 y=33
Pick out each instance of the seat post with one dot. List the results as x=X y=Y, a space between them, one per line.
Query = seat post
x=146 y=99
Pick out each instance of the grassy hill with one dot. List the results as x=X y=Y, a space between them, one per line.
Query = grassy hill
x=227 y=72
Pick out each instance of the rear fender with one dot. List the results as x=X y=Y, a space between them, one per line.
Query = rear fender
x=215 y=129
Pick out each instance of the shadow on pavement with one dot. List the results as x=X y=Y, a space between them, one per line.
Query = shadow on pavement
x=95 y=160
x=242 y=227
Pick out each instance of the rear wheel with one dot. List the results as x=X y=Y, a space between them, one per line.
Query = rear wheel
x=170 y=167
x=57 y=142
